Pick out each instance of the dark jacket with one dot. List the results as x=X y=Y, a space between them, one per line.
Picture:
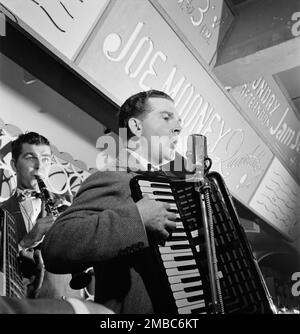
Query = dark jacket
x=103 y=228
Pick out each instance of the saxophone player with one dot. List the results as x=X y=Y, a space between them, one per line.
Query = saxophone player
x=31 y=158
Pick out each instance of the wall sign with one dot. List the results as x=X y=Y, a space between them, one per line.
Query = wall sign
x=277 y=200
x=263 y=102
x=59 y=24
x=203 y=23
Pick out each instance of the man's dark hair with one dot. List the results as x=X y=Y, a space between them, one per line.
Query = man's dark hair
x=136 y=106
x=31 y=138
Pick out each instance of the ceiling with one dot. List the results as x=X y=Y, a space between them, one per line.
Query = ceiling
x=291 y=82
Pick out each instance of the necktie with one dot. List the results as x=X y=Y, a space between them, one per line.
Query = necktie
x=25 y=194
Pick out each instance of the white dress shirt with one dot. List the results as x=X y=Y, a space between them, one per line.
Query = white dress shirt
x=30 y=209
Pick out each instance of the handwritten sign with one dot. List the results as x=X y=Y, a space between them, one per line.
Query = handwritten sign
x=263 y=102
x=204 y=23
x=59 y=24
x=127 y=54
x=277 y=200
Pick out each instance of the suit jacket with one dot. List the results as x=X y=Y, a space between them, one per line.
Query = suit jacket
x=103 y=228
x=54 y=286
x=34 y=306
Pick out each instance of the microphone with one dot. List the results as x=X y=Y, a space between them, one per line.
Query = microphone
x=196 y=156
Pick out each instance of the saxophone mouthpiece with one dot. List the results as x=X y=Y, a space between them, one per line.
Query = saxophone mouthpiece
x=38 y=176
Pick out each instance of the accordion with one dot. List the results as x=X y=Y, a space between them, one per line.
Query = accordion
x=11 y=281
x=177 y=276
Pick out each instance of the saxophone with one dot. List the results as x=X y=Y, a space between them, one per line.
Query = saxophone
x=47 y=197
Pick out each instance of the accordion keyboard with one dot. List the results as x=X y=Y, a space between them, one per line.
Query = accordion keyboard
x=179 y=252
x=183 y=259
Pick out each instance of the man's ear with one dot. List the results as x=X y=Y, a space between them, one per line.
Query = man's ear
x=135 y=126
x=13 y=165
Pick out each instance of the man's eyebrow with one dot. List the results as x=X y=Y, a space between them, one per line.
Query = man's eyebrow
x=34 y=154
x=170 y=113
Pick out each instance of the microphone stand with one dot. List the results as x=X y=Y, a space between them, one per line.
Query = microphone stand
x=202 y=187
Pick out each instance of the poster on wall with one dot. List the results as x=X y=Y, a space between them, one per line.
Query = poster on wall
x=277 y=200
x=202 y=23
x=266 y=107
x=61 y=25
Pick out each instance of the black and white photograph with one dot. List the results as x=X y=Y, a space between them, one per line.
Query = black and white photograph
x=150 y=160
